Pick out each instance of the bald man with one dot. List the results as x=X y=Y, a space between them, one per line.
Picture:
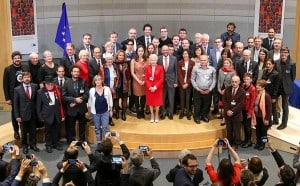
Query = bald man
x=234 y=97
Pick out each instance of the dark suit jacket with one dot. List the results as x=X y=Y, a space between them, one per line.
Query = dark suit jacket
x=183 y=179
x=24 y=107
x=266 y=44
x=209 y=47
x=118 y=45
x=17 y=183
x=141 y=40
x=69 y=94
x=45 y=111
x=213 y=59
x=198 y=177
x=239 y=99
x=144 y=176
x=171 y=77
x=181 y=72
x=253 y=69
x=94 y=67
x=287 y=76
x=82 y=47
x=15 y=164
x=165 y=42
x=66 y=62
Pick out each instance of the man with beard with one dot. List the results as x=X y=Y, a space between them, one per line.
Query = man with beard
x=12 y=77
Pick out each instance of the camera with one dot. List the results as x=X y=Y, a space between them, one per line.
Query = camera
x=79 y=143
x=113 y=133
x=8 y=147
x=72 y=161
x=28 y=157
x=221 y=142
x=116 y=163
x=33 y=163
x=144 y=148
x=264 y=139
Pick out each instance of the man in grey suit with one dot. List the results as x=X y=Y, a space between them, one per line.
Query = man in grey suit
x=169 y=64
x=25 y=111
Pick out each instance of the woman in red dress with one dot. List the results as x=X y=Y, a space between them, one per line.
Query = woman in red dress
x=154 y=78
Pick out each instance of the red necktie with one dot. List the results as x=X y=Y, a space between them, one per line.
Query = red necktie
x=27 y=92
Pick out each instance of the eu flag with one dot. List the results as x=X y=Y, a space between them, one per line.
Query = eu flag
x=63 y=35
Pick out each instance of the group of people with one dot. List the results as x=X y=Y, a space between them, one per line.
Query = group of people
x=128 y=169
x=153 y=75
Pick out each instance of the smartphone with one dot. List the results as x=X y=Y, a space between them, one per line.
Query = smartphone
x=72 y=161
x=79 y=143
x=144 y=148
x=33 y=163
x=221 y=142
x=8 y=147
x=117 y=160
x=28 y=157
x=113 y=133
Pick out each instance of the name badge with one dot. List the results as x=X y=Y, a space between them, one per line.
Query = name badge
x=225 y=73
x=268 y=81
x=233 y=103
x=287 y=71
x=247 y=94
x=81 y=91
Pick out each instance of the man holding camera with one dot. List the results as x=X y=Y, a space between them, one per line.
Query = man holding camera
x=105 y=163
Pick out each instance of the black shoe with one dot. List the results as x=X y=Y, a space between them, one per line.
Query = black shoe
x=215 y=112
x=256 y=146
x=261 y=147
x=222 y=124
x=117 y=114
x=282 y=126
x=197 y=121
x=111 y=123
x=205 y=118
x=124 y=115
x=34 y=147
x=163 y=116
x=188 y=116
x=170 y=116
x=132 y=110
x=49 y=149
x=25 y=150
x=16 y=135
x=275 y=123
x=181 y=115
x=278 y=114
x=58 y=147
x=142 y=114
x=247 y=144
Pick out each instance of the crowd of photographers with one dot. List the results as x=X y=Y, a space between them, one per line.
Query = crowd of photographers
x=127 y=169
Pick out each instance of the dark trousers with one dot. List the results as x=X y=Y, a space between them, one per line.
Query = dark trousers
x=168 y=99
x=274 y=113
x=233 y=129
x=202 y=104
x=215 y=96
x=185 y=98
x=285 y=108
x=140 y=102
x=247 y=127
x=30 y=128
x=52 y=133
x=261 y=130
x=13 y=119
x=70 y=127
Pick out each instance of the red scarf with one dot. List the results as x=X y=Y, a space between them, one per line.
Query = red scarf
x=58 y=94
x=227 y=69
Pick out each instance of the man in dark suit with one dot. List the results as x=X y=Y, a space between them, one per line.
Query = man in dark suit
x=25 y=111
x=268 y=42
x=169 y=63
x=50 y=111
x=61 y=78
x=75 y=94
x=132 y=33
x=205 y=44
x=250 y=42
x=286 y=69
x=177 y=47
x=247 y=65
x=182 y=33
x=12 y=77
x=257 y=48
x=70 y=59
x=146 y=39
x=95 y=63
x=234 y=97
x=86 y=45
x=140 y=175
x=275 y=53
x=113 y=38
x=186 y=175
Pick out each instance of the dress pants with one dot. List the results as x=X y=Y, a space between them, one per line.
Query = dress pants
x=202 y=104
x=13 y=119
x=30 y=128
x=70 y=127
x=261 y=130
x=185 y=98
x=215 y=95
x=168 y=98
x=233 y=129
x=52 y=133
x=247 y=127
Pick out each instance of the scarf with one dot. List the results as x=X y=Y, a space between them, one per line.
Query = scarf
x=58 y=94
x=227 y=69
x=262 y=106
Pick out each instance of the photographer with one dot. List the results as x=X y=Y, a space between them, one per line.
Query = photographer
x=286 y=173
x=71 y=168
x=6 y=180
x=227 y=173
x=296 y=164
x=140 y=175
x=31 y=171
x=108 y=172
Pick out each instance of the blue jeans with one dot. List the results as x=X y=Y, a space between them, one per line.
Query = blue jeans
x=101 y=119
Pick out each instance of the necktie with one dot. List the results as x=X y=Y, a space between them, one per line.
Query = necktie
x=27 y=92
x=271 y=42
x=166 y=63
x=72 y=59
x=205 y=50
x=148 y=41
x=60 y=83
x=233 y=92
